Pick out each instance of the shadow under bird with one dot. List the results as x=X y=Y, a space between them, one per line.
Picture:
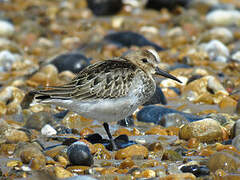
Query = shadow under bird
x=109 y=90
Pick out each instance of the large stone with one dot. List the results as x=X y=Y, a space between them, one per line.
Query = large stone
x=132 y=151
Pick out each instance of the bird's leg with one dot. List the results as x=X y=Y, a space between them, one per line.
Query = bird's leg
x=106 y=127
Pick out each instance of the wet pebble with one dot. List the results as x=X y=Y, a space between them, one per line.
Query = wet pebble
x=134 y=151
x=217 y=51
x=235 y=131
x=38 y=120
x=173 y=119
x=198 y=171
x=73 y=62
x=226 y=160
x=79 y=154
x=60 y=172
x=104 y=7
x=80 y=177
x=48 y=130
x=206 y=130
x=128 y=39
x=155 y=114
x=6 y=28
x=222 y=17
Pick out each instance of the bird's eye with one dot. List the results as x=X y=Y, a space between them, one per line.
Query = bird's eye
x=144 y=60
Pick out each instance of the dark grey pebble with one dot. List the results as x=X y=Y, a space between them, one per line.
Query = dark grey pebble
x=157 y=98
x=154 y=114
x=72 y=61
x=79 y=154
x=169 y=4
x=104 y=7
x=128 y=39
x=196 y=170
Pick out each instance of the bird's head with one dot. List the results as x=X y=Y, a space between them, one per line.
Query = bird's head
x=148 y=61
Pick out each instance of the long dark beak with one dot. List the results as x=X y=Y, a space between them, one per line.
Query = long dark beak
x=166 y=74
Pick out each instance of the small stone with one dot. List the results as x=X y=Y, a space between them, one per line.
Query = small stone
x=131 y=152
x=122 y=131
x=228 y=104
x=206 y=130
x=48 y=130
x=226 y=160
x=157 y=130
x=198 y=171
x=86 y=131
x=173 y=119
x=79 y=154
x=127 y=163
x=172 y=155
x=216 y=50
x=6 y=28
x=236 y=56
x=104 y=7
x=236 y=142
x=148 y=173
x=55 y=151
x=222 y=17
x=39 y=120
x=236 y=128
x=7 y=59
x=183 y=176
x=60 y=172
x=156 y=4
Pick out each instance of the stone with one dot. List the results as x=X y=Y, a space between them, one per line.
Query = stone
x=6 y=28
x=169 y=4
x=60 y=172
x=226 y=160
x=131 y=152
x=48 y=130
x=236 y=142
x=7 y=58
x=217 y=51
x=222 y=17
x=206 y=130
x=79 y=154
x=104 y=7
x=236 y=56
x=183 y=176
x=198 y=171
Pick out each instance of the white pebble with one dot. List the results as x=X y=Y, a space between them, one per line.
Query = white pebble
x=6 y=28
x=48 y=130
x=6 y=60
x=236 y=56
x=216 y=50
x=223 y=17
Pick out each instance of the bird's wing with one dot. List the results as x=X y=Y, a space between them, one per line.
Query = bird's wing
x=106 y=79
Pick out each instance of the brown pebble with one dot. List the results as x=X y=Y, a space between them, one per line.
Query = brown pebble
x=206 y=130
x=122 y=131
x=182 y=176
x=148 y=173
x=156 y=130
x=86 y=131
x=127 y=163
x=131 y=151
x=227 y=160
x=62 y=173
x=193 y=143
x=77 y=169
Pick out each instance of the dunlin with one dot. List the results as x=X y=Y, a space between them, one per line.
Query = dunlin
x=109 y=90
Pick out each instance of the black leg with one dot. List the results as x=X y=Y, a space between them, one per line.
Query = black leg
x=106 y=127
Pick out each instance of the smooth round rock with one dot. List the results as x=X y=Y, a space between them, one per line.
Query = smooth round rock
x=135 y=150
x=236 y=56
x=104 y=7
x=79 y=154
x=128 y=39
x=73 y=62
x=198 y=171
x=48 y=130
x=226 y=160
x=7 y=59
x=236 y=142
x=173 y=119
x=206 y=130
x=222 y=17
x=217 y=51
x=6 y=28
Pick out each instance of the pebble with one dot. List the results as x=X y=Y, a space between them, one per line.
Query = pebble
x=235 y=131
x=38 y=120
x=173 y=119
x=128 y=39
x=188 y=176
x=226 y=160
x=6 y=28
x=134 y=151
x=80 y=177
x=48 y=130
x=7 y=59
x=198 y=171
x=236 y=56
x=79 y=154
x=156 y=4
x=222 y=17
x=206 y=130
x=72 y=61
x=217 y=51
x=236 y=142
x=155 y=114
x=60 y=172
x=104 y=7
